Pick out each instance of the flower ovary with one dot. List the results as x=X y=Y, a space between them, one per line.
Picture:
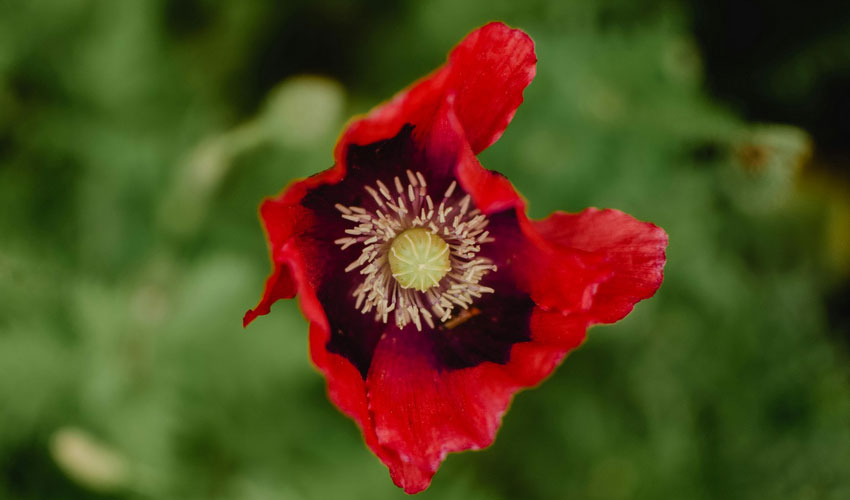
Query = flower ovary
x=419 y=259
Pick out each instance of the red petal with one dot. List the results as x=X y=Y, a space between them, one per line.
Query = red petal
x=447 y=144
x=279 y=285
x=280 y=222
x=487 y=71
x=633 y=250
x=422 y=412
x=490 y=69
x=563 y=280
x=560 y=278
x=283 y=220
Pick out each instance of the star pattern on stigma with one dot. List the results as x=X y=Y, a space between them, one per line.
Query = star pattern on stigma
x=432 y=297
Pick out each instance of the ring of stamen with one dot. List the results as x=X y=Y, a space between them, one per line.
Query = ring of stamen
x=419 y=259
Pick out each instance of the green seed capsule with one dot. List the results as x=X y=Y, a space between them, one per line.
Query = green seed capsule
x=419 y=259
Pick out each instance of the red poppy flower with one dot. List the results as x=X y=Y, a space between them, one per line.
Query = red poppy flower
x=431 y=296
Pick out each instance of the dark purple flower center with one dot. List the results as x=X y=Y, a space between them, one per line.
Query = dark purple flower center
x=418 y=258
x=474 y=313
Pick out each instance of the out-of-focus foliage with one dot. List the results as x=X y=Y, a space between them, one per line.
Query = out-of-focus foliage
x=137 y=138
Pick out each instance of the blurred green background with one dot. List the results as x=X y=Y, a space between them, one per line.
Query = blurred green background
x=137 y=138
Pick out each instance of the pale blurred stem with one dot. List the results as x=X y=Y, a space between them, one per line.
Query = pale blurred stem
x=297 y=113
x=186 y=204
